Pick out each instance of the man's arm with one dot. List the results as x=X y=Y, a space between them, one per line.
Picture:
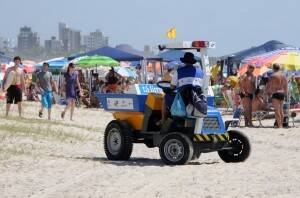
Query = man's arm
x=38 y=83
x=240 y=84
x=54 y=88
x=8 y=81
x=78 y=83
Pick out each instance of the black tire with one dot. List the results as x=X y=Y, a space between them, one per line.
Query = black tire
x=149 y=143
x=176 y=149
x=241 y=148
x=197 y=153
x=118 y=141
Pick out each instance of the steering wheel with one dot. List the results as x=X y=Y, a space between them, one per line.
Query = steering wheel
x=164 y=85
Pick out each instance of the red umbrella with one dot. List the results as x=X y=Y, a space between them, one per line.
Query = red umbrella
x=28 y=66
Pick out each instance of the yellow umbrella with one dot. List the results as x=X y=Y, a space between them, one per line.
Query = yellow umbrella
x=289 y=60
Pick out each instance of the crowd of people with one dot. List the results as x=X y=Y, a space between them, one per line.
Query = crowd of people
x=245 y=91
x=72 y=88
x=250 y=95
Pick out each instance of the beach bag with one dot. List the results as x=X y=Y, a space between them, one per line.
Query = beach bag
x=178 y=106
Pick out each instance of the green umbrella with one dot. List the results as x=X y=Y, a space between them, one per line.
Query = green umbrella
x=92 y=61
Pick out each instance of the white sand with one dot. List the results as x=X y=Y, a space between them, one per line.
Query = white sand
x=41 y=164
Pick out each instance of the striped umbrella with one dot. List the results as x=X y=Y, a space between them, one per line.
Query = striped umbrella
x=288 y=59
x=56 y=63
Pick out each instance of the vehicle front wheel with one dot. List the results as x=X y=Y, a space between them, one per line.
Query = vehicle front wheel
x=118 y=141
x=176 y=149
x=239 y=148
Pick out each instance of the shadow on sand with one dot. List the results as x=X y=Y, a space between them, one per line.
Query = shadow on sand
x=140 y=162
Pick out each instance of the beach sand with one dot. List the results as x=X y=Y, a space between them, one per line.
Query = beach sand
x=40 y=158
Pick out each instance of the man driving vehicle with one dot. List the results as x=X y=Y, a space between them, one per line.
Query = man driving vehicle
x=186 y=76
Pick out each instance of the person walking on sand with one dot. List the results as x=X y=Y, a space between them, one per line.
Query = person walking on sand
x=46 y=86
x=277 y=88
x=247 y=89
x=14 y=85
x=71 y=80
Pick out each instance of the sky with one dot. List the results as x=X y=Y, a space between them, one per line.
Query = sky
x=233 y=24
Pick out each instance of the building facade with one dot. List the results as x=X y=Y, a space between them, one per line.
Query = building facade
x=95 y=40
x=53 y=45
x=70 y=38
x=27 y=39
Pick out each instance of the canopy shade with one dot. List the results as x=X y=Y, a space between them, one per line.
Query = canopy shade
x=261 y=49
x=111 y=52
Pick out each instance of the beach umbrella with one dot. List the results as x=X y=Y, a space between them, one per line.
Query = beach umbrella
x=125 y=72
x=289 y=59
x=94 y=61
x=56 y=63
x=28 y=66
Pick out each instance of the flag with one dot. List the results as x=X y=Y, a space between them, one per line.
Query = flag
x=171 y=34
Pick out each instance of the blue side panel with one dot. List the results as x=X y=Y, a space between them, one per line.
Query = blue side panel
x=122 y=102
x=213 y=122
x=211 y=101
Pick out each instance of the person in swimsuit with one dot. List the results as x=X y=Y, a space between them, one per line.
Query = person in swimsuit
x=247 y=89
x=14 y=85
x=71 y=80
x=277 y=89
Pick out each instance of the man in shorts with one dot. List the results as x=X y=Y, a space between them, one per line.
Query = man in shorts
x=46 y=85
x=277 y=88
x=247 y=89
x=14 y=85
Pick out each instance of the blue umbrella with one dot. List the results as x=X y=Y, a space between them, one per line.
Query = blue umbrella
x=56 y=63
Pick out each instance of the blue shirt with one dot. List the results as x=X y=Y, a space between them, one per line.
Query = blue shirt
x=188 y=75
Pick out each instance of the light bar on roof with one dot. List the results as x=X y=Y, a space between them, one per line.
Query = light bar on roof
x=188 y=45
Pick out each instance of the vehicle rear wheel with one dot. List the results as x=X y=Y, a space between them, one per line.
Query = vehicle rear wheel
x=176 y=149
x=118 y=141
x=240 y=148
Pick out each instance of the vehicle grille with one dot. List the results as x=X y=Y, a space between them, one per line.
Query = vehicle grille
x=211 y=123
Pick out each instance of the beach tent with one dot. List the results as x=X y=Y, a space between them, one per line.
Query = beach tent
x=114 y=53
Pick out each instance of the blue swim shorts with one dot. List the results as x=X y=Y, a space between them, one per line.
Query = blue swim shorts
x=47 y=99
